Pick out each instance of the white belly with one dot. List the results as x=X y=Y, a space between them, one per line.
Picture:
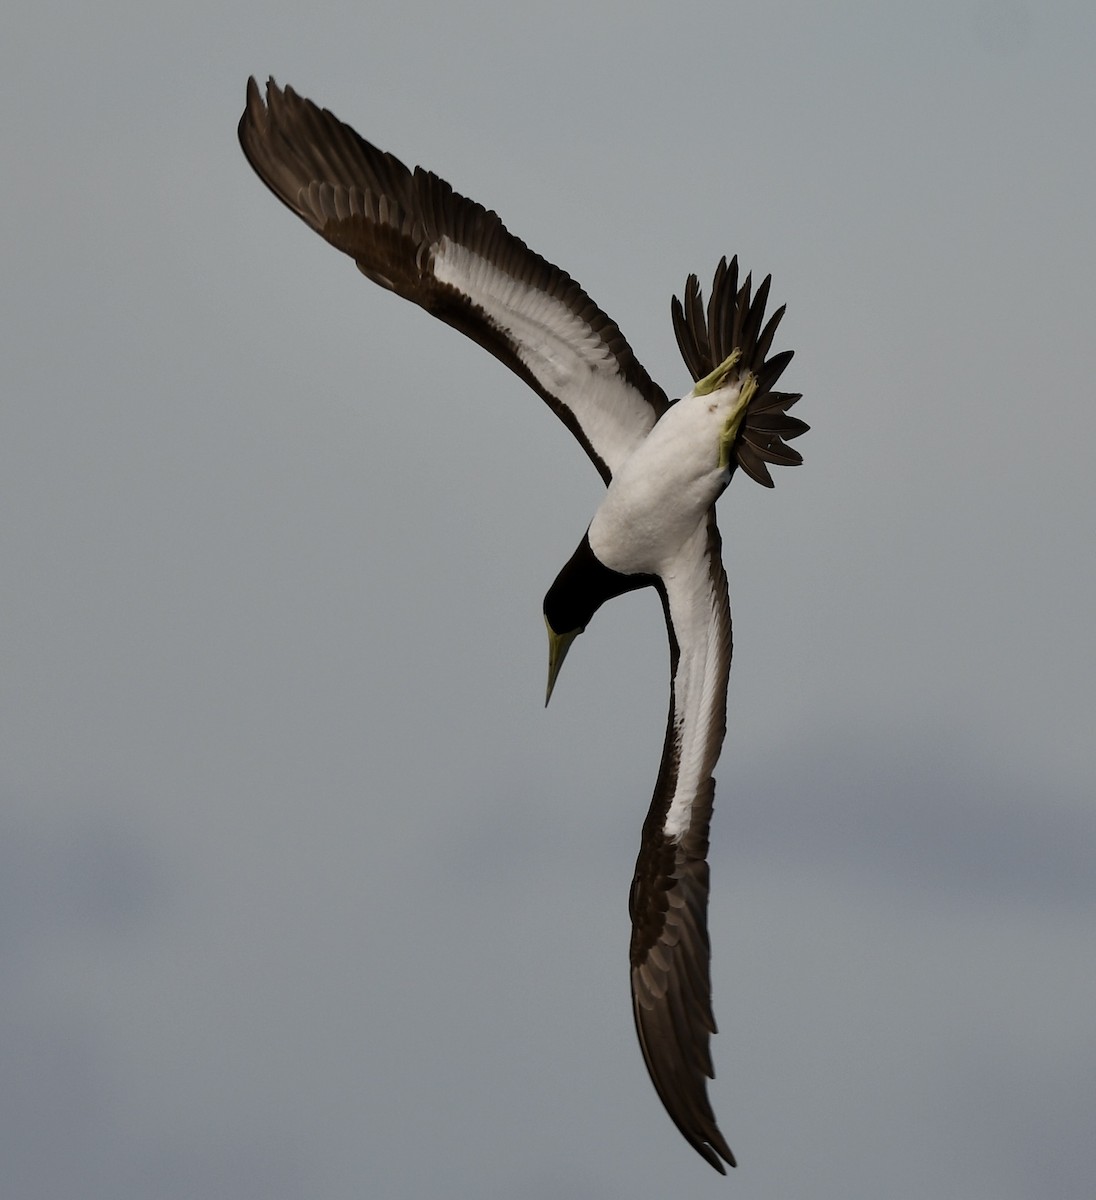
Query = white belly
x=663 y=492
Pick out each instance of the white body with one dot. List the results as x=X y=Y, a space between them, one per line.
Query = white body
x=664 y=491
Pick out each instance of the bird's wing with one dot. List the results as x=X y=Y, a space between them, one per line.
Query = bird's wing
x=410 y=232
x=671 y=986
x=705 y=336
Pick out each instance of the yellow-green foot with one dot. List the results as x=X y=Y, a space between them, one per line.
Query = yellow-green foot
x=719 y=376
x=734 y=422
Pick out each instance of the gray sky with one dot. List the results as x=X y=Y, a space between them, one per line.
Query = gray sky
x=302 y=893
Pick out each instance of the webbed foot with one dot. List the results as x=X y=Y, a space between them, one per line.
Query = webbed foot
x=746 y=392
x=718 y=377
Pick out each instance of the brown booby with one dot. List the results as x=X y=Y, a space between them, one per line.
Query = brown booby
x=665 y=464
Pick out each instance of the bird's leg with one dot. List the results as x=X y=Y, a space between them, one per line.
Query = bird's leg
x=747 y=387
x=718 y=377
x=746 y=390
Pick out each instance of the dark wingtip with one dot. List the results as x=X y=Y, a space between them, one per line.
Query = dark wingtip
x=735 y=319
x=710 y=1156
x=253 y=99
x=716 y=1153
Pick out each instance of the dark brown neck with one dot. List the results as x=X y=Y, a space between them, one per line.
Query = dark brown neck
x=583 y=586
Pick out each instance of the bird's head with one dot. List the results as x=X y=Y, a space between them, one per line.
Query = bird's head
x=568 y=607
x=579 y=590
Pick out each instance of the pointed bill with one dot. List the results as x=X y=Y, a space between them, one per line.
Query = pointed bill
x=558 y=645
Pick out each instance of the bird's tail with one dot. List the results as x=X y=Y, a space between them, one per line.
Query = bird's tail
x=733 y=321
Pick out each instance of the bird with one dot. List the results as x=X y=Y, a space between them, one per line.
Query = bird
x=664 y=463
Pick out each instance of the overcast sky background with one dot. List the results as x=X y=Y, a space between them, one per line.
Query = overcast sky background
x=302 y=892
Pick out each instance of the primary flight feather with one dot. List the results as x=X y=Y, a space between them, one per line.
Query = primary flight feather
x=665 y=465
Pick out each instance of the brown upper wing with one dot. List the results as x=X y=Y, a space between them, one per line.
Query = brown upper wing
x=410 y=232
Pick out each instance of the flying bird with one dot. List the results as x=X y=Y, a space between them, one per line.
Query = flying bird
x=664 y=462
